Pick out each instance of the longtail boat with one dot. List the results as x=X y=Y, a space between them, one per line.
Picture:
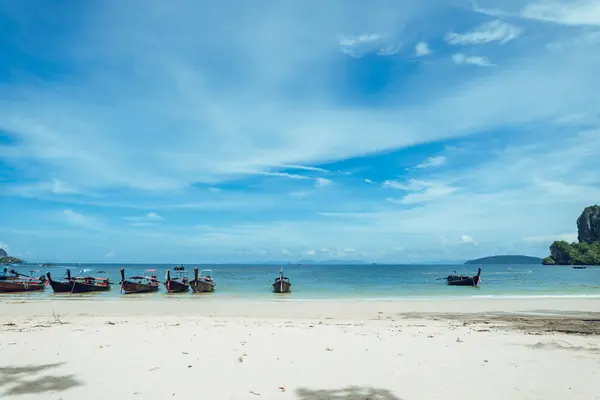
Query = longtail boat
x=79 y=284
x=178 y=284
x=145 y=283
x=464 y=280
x=17 y=282
x=282 y=283
x=64 y=286
x=9 y=274
x=203 y=282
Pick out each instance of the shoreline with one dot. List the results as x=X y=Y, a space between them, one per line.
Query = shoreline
x=347 y=309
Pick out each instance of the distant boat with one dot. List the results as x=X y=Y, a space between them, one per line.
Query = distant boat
x=178 y=284
x=282 y=284
x=464 y=280
x=579 y=267
x=145 y=283
x=203 y=282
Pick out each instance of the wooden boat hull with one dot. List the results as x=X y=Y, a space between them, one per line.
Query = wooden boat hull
x=200 y=286
x=14 y=286
x=82 y=287
x=129 y=287
x=282 y=287
x=61 y=287
x=463 y=281
x=177 y=287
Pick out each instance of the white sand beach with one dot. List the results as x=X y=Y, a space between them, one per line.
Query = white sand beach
x=230 y=349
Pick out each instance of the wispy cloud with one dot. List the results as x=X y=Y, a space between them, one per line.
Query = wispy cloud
x=494 y=31
x=322 y=182
x=547 y=239
x=148 y=217
x=462 y=59
x=82 y=221
x=110 y=254
x=466 y=239
x=431 y=162
x=302 y=167
x=567 y=12
x=420 y=191
x=357 y=46
x=368 y=181
x=422 y=49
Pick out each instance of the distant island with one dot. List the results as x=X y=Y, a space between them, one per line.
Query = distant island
x=584 y=252
x=510 y=259
x=10 y=260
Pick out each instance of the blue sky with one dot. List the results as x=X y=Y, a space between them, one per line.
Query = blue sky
x=389 y=131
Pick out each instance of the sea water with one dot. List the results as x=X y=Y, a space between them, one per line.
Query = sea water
x=336 y=282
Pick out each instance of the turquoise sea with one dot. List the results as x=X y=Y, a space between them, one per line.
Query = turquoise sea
x=355 y=281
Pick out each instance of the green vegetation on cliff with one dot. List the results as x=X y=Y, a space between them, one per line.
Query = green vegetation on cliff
x=10 y=260
x=506 y=260
x=587 y=251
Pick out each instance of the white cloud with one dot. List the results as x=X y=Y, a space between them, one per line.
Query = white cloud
x=462 y=59
x=421 y=191
x=311 y=253
x=567 y=12
x=348 y=41
x=422 y=49
x=466 y=239
x=81 y=221
x=110 y=254
x=284 y=175
x=322 y=182
x=494 y=31
x=302 y=167
x=153 y=215
x=548 y=239
x=145 y=220
x=286 y=252
x=369 y=181
x=431 y=162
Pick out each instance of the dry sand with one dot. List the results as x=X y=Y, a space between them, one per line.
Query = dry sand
x=352 y=350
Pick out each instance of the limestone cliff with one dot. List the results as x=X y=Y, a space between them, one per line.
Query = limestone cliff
x=588 y=225
x=587 y=251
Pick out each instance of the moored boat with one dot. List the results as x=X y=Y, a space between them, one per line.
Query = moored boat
x=64 y=286
x=17 y=282
x=145 y=283
x=79 y=284
x=579 y=267
x=282 y=283
x=202 y=282
x=464 y=280
x=9 y=274
x=179 y=283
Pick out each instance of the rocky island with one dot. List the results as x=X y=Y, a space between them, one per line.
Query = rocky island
x=584 y=252
x=5 y=259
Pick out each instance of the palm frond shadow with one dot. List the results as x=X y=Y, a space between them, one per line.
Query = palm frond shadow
x=349 y=393
x=24 y=380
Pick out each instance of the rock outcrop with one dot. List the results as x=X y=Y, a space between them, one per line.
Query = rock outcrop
x=588 y=225
x=587 y=251
x=3 y=253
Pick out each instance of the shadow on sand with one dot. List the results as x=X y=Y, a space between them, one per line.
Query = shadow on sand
x=349 y=393
x=32 y=379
